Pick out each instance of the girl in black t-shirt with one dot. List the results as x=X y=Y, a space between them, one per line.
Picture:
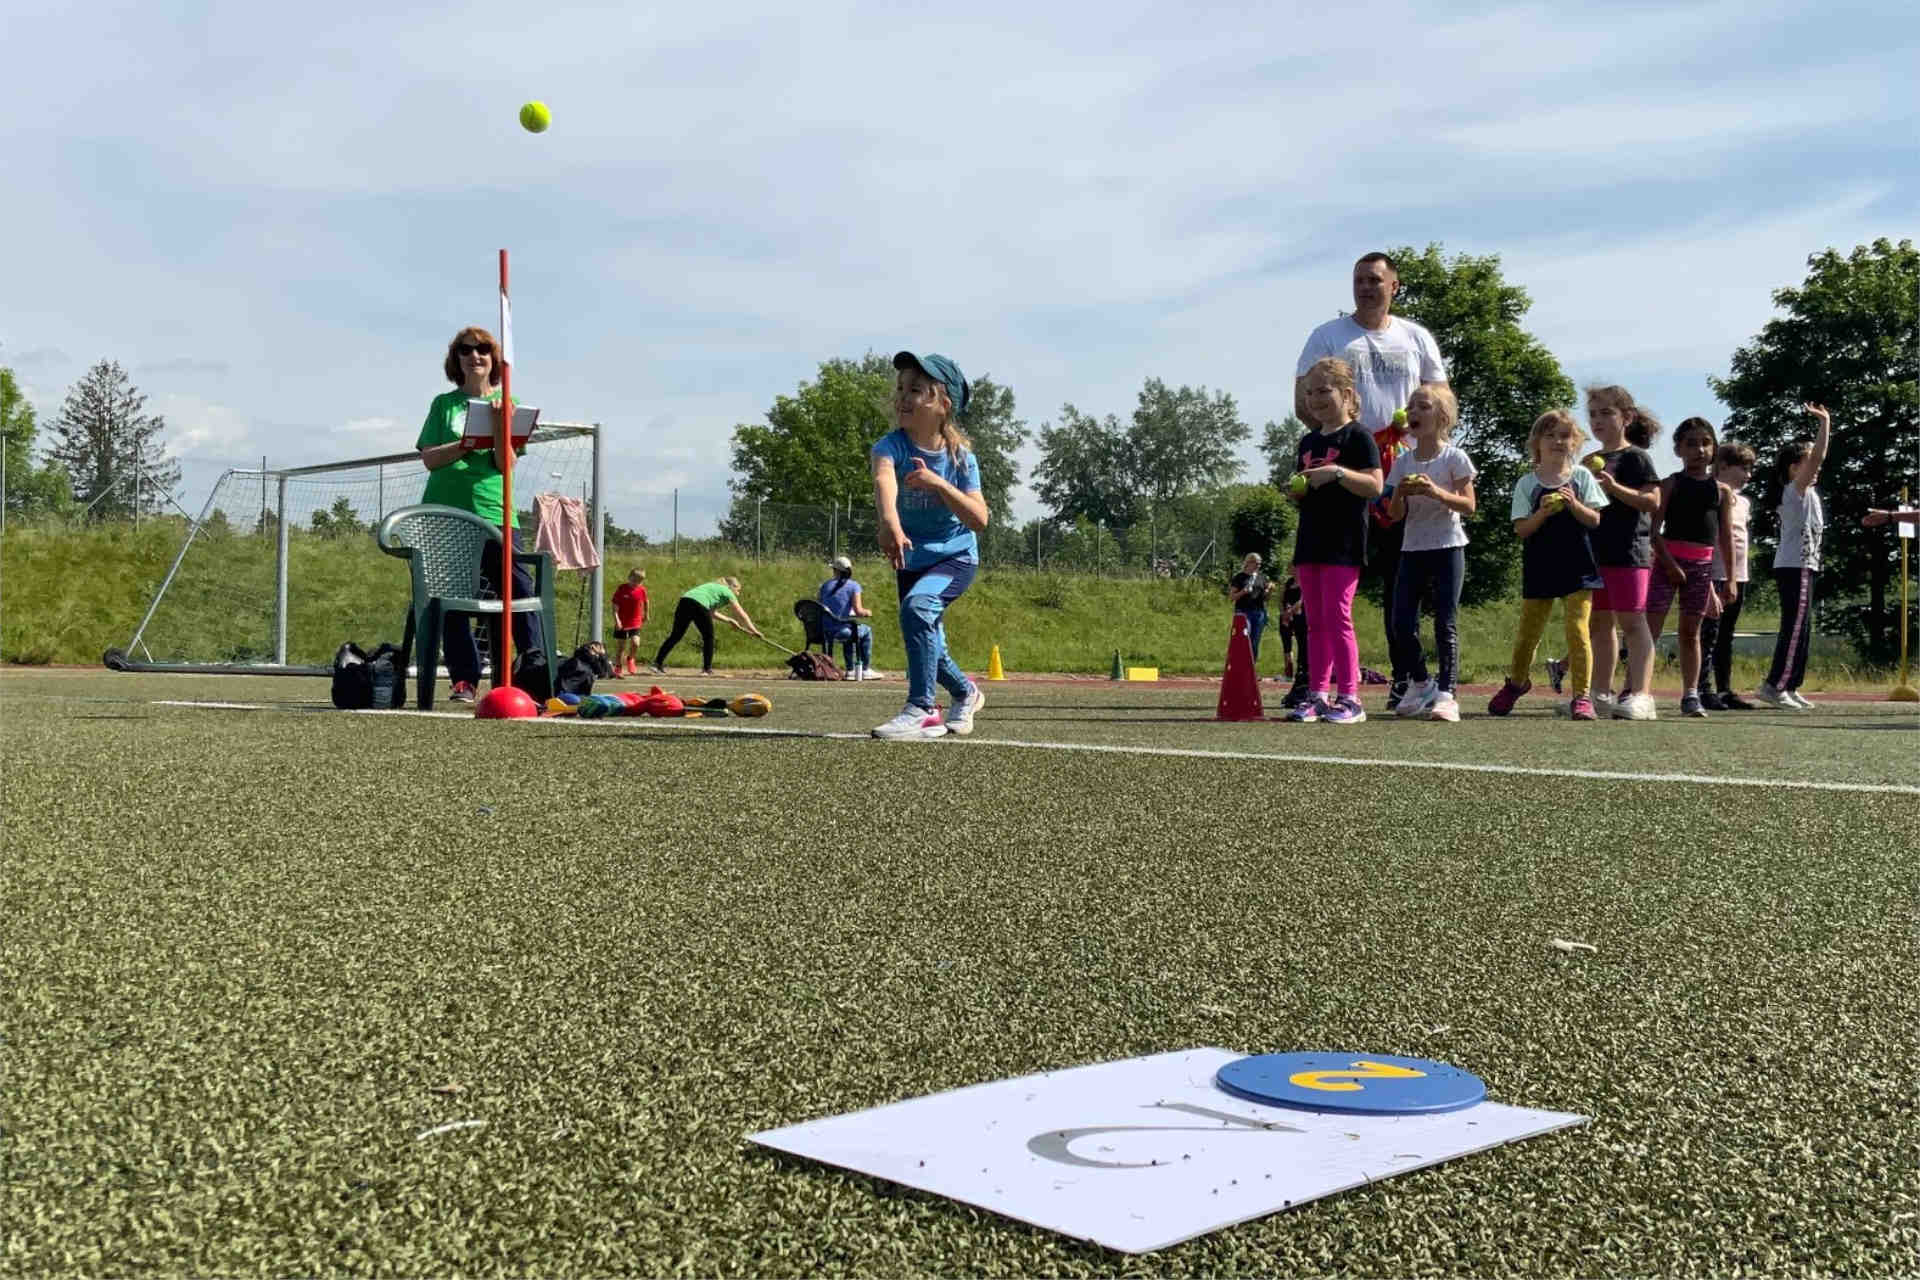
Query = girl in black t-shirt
x=1694 y=520
x=1340 y=465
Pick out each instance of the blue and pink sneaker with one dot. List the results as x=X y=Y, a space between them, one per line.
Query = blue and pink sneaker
x=1309 y=709
x=1344 y=710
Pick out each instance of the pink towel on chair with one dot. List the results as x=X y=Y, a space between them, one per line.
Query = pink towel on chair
x=563 y=531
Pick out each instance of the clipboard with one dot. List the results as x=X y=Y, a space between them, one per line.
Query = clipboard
x=481 y=415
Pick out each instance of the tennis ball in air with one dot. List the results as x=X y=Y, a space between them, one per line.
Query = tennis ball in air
x=534 y=117
x=1297 y=486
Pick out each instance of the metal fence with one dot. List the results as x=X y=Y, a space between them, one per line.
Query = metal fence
x=1190 y=538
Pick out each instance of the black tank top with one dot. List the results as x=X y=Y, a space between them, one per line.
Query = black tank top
x=1693 y=512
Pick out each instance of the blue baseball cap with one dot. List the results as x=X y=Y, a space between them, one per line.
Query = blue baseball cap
x=942 y=370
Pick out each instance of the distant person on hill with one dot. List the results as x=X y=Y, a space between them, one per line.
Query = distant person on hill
x=629 y=615
x=1293 y=635
x=1391 y=358
x=1248 y=590
x=926 y=494
x=841 y=597
x=697 y=608
x=470 y=480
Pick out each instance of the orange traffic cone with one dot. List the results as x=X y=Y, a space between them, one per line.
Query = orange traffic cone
x=1239 y=685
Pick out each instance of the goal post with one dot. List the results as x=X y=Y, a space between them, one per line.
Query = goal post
x=280 y=566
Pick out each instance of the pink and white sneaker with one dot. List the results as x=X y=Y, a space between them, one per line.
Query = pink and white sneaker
x=912 y=722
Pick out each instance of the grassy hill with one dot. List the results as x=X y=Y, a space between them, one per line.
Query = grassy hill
x=66 y=595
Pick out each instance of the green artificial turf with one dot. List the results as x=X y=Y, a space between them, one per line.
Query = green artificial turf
x=251 y=955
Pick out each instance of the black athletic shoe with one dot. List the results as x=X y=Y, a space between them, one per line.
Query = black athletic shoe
x=1711 y=701
x=1734 y=702
x=1397 y=692
x=1295 y=696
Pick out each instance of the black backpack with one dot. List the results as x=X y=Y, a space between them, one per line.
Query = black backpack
x=363 y=680
x=808 y=665
x=530 y=675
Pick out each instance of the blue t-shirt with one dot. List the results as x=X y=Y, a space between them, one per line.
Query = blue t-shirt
x=936 y=533
x=836 y=597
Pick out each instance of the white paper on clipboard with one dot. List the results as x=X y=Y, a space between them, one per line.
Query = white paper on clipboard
x=482 y=414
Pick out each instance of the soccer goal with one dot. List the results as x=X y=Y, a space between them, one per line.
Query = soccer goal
x=280 y=566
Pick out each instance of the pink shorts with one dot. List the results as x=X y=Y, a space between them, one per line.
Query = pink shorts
x=1623 y=589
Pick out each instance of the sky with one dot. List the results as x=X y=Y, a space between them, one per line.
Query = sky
x=276 y=218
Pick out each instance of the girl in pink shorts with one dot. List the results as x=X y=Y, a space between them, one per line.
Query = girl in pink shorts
x=1623 y=547
x=1695 y=518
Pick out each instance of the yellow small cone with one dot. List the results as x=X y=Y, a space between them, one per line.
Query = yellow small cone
x=994 y=670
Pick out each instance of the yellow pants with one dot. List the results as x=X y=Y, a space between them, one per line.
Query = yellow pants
x=1578 y=608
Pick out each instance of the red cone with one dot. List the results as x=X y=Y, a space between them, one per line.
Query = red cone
x=1239 y=686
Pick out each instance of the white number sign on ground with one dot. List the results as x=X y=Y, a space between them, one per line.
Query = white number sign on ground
x=1140 y=1154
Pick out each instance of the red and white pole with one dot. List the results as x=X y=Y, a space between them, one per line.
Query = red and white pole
x=503 y=458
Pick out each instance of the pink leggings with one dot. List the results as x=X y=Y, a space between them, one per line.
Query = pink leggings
x=1333 y=654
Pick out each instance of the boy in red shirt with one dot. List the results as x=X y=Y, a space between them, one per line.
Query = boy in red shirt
x=629 y=615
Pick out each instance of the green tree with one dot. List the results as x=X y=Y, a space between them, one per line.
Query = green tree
x=1082 y=473
x=340 y=521
x=1280 y=446
x=30 y=490
x=1504 y=379
x=110 y=448
x=1849 y=339
x=1180 y=442
x=1258 y=524
x=813 y=448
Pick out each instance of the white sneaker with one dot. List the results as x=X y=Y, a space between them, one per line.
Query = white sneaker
x=868 y=673
x=912 y=722
x=1792 y=698
x=1772 y=697
x=960 y=715
x=1604 y=703
x=1444 y=707
x=1418 y=700
x=1636 y=706
x=853 y=672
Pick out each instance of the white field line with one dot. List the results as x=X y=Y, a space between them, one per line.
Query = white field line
x=1186 y=753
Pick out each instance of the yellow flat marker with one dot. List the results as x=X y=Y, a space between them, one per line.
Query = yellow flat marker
x=1143 y=673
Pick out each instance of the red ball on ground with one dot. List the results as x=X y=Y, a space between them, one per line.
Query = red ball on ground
x=632 y=699
x=506 y=703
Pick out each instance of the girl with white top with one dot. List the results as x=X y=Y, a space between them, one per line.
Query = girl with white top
x=1796 y=563
x=1733 y=467
x=1432 y=488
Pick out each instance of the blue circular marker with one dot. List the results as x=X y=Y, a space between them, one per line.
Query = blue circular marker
x=1368 y=1084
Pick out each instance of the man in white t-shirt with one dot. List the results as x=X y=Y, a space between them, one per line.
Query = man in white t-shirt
x=1391 y=358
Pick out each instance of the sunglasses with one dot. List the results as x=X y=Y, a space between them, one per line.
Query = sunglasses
x=473 y=348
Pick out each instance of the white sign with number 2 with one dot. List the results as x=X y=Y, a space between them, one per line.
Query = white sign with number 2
x=1140 y=1154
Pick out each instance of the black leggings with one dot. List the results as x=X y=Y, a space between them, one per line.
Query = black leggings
x=1796 y=628
x=689 y=612
x=1716 y=645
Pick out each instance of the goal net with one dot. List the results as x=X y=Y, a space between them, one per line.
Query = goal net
x=281 y=567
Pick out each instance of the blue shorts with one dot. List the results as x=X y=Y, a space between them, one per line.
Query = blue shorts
x=948 y=579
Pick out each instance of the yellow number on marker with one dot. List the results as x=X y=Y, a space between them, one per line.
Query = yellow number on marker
x=1342 y=1081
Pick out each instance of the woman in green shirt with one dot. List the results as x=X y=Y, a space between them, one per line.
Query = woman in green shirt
x=698 y=608
x=470 y=480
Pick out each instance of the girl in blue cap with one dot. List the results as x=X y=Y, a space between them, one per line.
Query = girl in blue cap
x=926 y=491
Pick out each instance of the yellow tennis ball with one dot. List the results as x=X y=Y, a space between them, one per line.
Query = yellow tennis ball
x=534 y=117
